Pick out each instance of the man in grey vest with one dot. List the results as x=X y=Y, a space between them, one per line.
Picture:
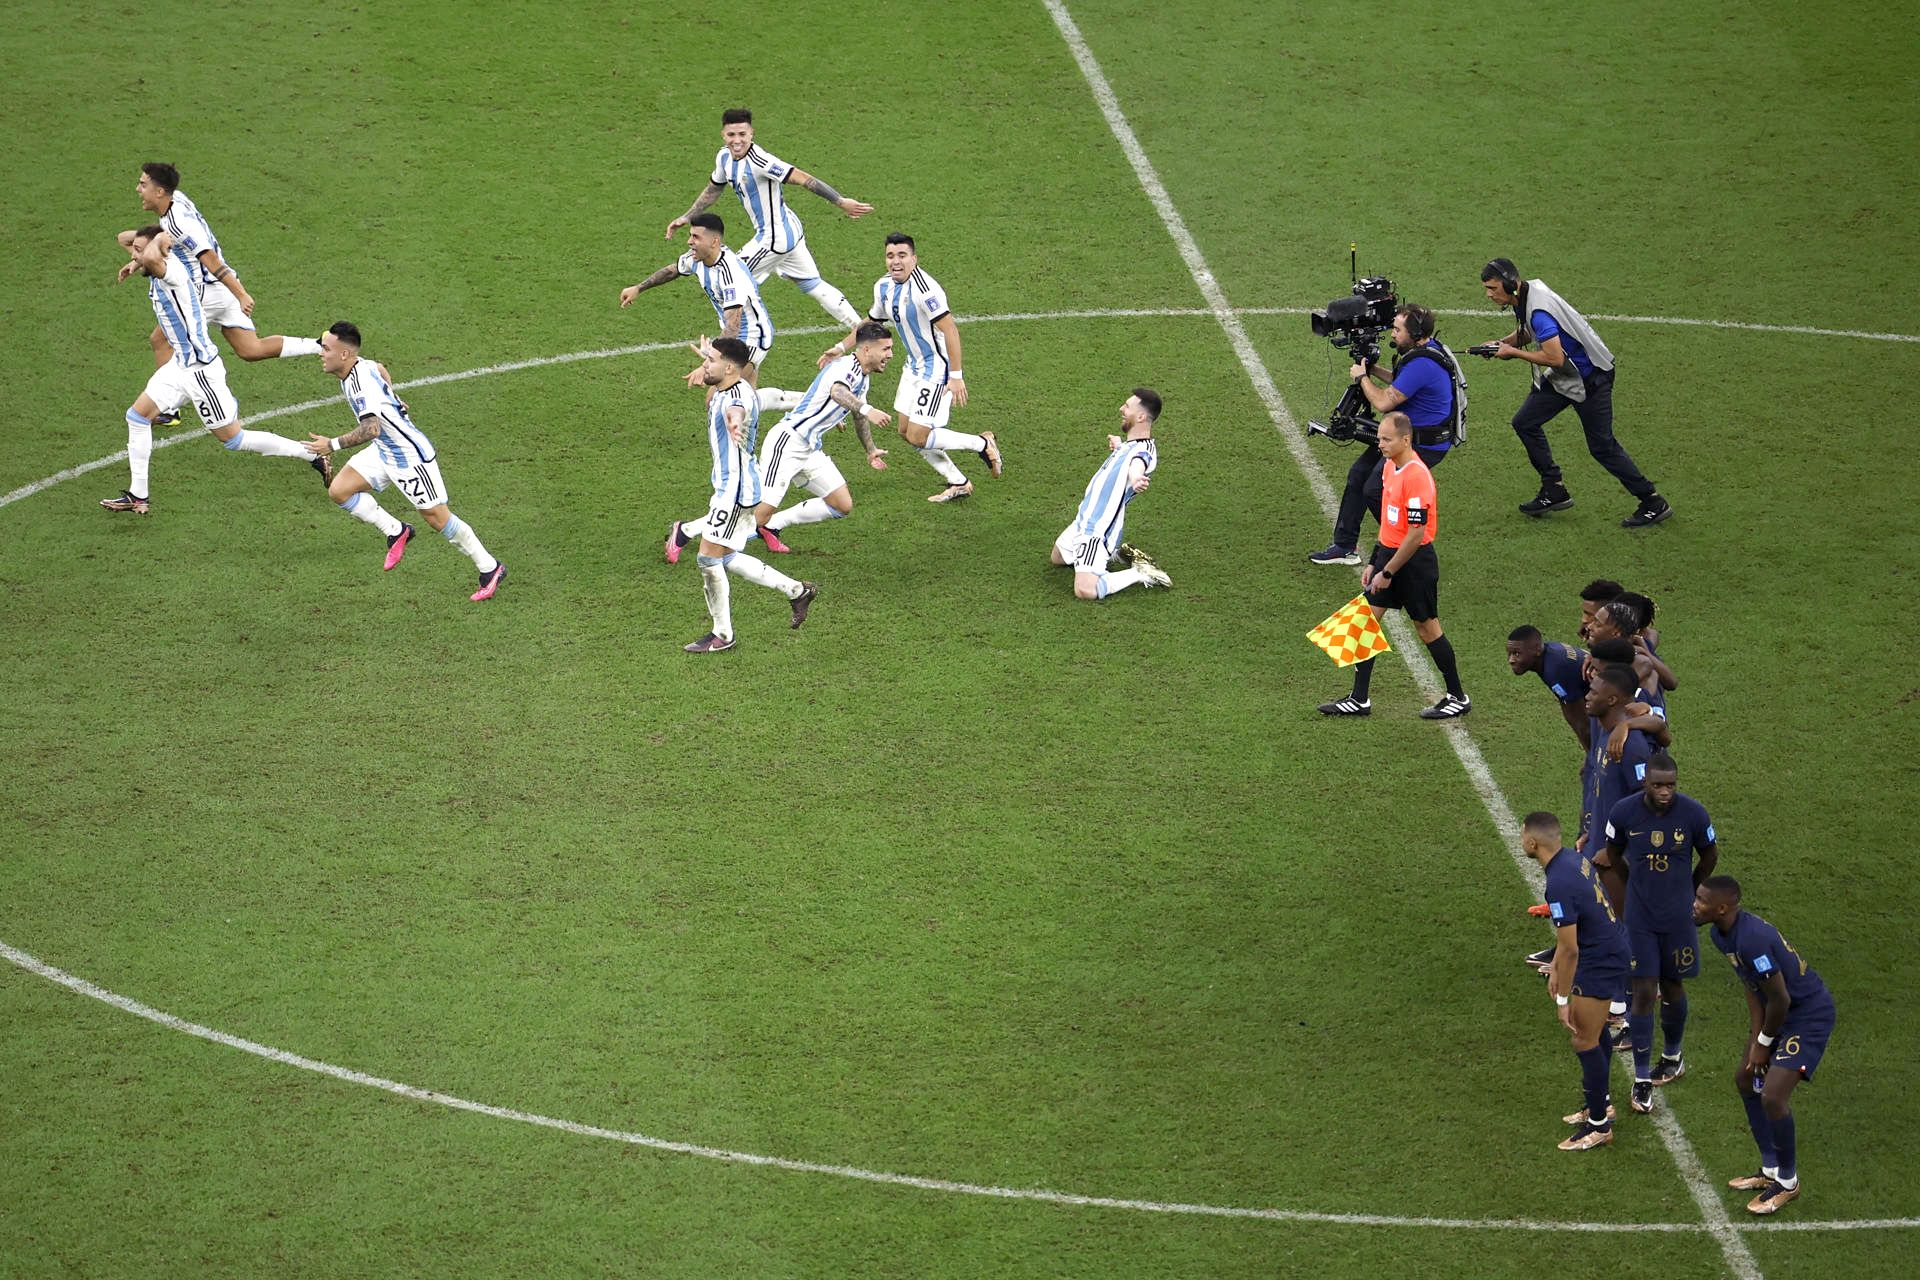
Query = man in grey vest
x=1571 y=367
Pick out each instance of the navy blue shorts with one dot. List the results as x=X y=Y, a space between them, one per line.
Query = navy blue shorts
x=1600 y=981
x=1671 y=954
x=1802 y=1039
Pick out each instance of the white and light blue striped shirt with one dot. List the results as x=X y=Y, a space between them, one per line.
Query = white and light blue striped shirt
x=736 y=476
x=914 y=306
x=1103 y=511
x=818 y=412
x=192 y=236
x=402 y=445
x=729 y=284
x=176 y=305
x=759 y=180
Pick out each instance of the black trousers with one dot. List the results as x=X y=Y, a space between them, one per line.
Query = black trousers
x=1362 y=493
x=1543 y=404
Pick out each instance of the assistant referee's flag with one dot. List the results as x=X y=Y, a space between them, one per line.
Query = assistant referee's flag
x=1351 y=635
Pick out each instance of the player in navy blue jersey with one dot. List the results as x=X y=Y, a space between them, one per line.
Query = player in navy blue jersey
x=1791 y=1019
x=1625 y=619
x=1664 y=841
x=1592 y=596
x=1591 y=967
x=1559 y=668
x=1606 y=781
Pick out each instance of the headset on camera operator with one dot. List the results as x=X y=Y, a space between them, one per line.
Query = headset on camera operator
x=1425 y=384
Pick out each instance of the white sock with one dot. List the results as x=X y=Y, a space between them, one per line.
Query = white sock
x=362 y=506
x=812 y=511
x=1118 y=580
x=139 y=452
x=269 y=444
x=1618 y=1009
x=940 y=462
x=290 y=347
x=757 y=572
x=773 y=399
x=461 y=535
x=713 y=580
x=943 y=438
x=834 y=303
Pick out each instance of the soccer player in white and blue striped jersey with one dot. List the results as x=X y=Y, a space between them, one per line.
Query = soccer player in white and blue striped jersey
x=398 y=453
x=779 y=242
x=931 y=384
x=194 y=372
x=733 y=420
x=1092 y=541
x=795 y=450
x=728 y=286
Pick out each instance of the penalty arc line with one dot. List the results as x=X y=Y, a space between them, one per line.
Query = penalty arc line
x=1094 y=313
x=81 y=986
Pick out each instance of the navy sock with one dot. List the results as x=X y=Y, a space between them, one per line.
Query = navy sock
x=1783 y=1147
x=1640 y=1029
x=1762 y=1129
x=1442 y=651
x=1362 y=679
x=1593 y=1081
x=1673 y=1022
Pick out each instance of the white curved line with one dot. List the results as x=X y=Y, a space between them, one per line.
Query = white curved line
x=41 y=968
x=1010 y=317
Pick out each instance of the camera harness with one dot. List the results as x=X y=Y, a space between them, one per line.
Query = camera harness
x=1455 y=428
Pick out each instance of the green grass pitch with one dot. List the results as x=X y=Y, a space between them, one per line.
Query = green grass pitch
x=966 y=880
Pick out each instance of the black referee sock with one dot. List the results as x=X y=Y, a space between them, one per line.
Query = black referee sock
x=1442 y=651
x=1362 y=679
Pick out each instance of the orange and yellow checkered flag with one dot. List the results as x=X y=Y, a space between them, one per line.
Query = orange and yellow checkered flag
x=1351 y=635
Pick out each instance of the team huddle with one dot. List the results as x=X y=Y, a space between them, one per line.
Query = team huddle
x=1626 y=899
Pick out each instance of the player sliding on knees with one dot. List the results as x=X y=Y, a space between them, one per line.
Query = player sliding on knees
x=1090 y=543
x=397 y=453
x=779 y=242
x=931 y=384
x=193 y=372
x=733 y=421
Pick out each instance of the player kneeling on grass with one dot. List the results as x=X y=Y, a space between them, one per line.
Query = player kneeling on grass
x=397 y=453
x=194 y=373
x=733 y=420
x=1092 y=541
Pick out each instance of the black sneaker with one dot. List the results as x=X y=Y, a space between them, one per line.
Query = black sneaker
x=1336 y=554
x=1552 y=498
x=324 y=465
x=1347 y=706
x=167 y=418
x=709 y=643
x=126 y=502
x=1667 y=1070
x=1541 y=962
x=1652 y=510
x=1450 y=706
x=803 y=602
x=1641 y=1099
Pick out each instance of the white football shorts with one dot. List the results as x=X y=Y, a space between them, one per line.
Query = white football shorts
x=726 y=524
x=785 y=460
x=173 y=384
x=795 y=264
x=223 y=309
x=1086 y=552
x=420 y=484
x=927 y=403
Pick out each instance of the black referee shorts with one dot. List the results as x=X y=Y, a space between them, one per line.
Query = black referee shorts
x=1415 y=588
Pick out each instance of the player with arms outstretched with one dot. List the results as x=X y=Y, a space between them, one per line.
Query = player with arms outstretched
x=1092 y=541
x=779 y=242
x=728 y=286
x=194 y=371
x=397 y=453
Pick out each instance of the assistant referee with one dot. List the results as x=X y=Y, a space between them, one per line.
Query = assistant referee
x=1404 y=572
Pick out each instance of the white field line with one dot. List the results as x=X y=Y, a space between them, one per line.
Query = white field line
x=1738 y=1257
x=81 y=986
x=1097 y=313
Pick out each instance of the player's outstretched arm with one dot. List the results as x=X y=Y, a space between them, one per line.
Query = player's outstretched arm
x=701 y=203
x=321 y=446
x=660 y=277
x=838 y=349
x=847 y=205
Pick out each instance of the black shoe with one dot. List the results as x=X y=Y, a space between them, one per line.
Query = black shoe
x=167 y=418
x=1541 y=962
x=1335 y=554
x=324 y=465
x=1347 y=706
x=1652 y=510
x=1450 y=706
x=1641 y=1099
x=803 y=602
x=1668 y=1069
x=1551 y=498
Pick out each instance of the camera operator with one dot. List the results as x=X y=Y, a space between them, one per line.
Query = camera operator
x=1571 y=367
x=1420 y=385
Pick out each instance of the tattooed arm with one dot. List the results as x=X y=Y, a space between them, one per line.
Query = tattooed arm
x=369 y=427
x=660 y=277
x=864 y=418
x=851 y=207
x=701 y=203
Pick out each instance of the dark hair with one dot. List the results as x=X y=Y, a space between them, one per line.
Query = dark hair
x=1540 y=822
x=1622 y=678
x=1420 y=321
x=1722 y=884
x=149 y=231
x=1149 y=400
x=732 y=349
x=1662 y=760
x=1622 y=614
x=1613 y=650
x=164 y=174
x=1642 y=606
x=735 y=115
x=1528 y=632
x=347 y=331
x=1601 y=590
x=901 y=237
x=871 y=331
x=708 y=222
x=1503 y=270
